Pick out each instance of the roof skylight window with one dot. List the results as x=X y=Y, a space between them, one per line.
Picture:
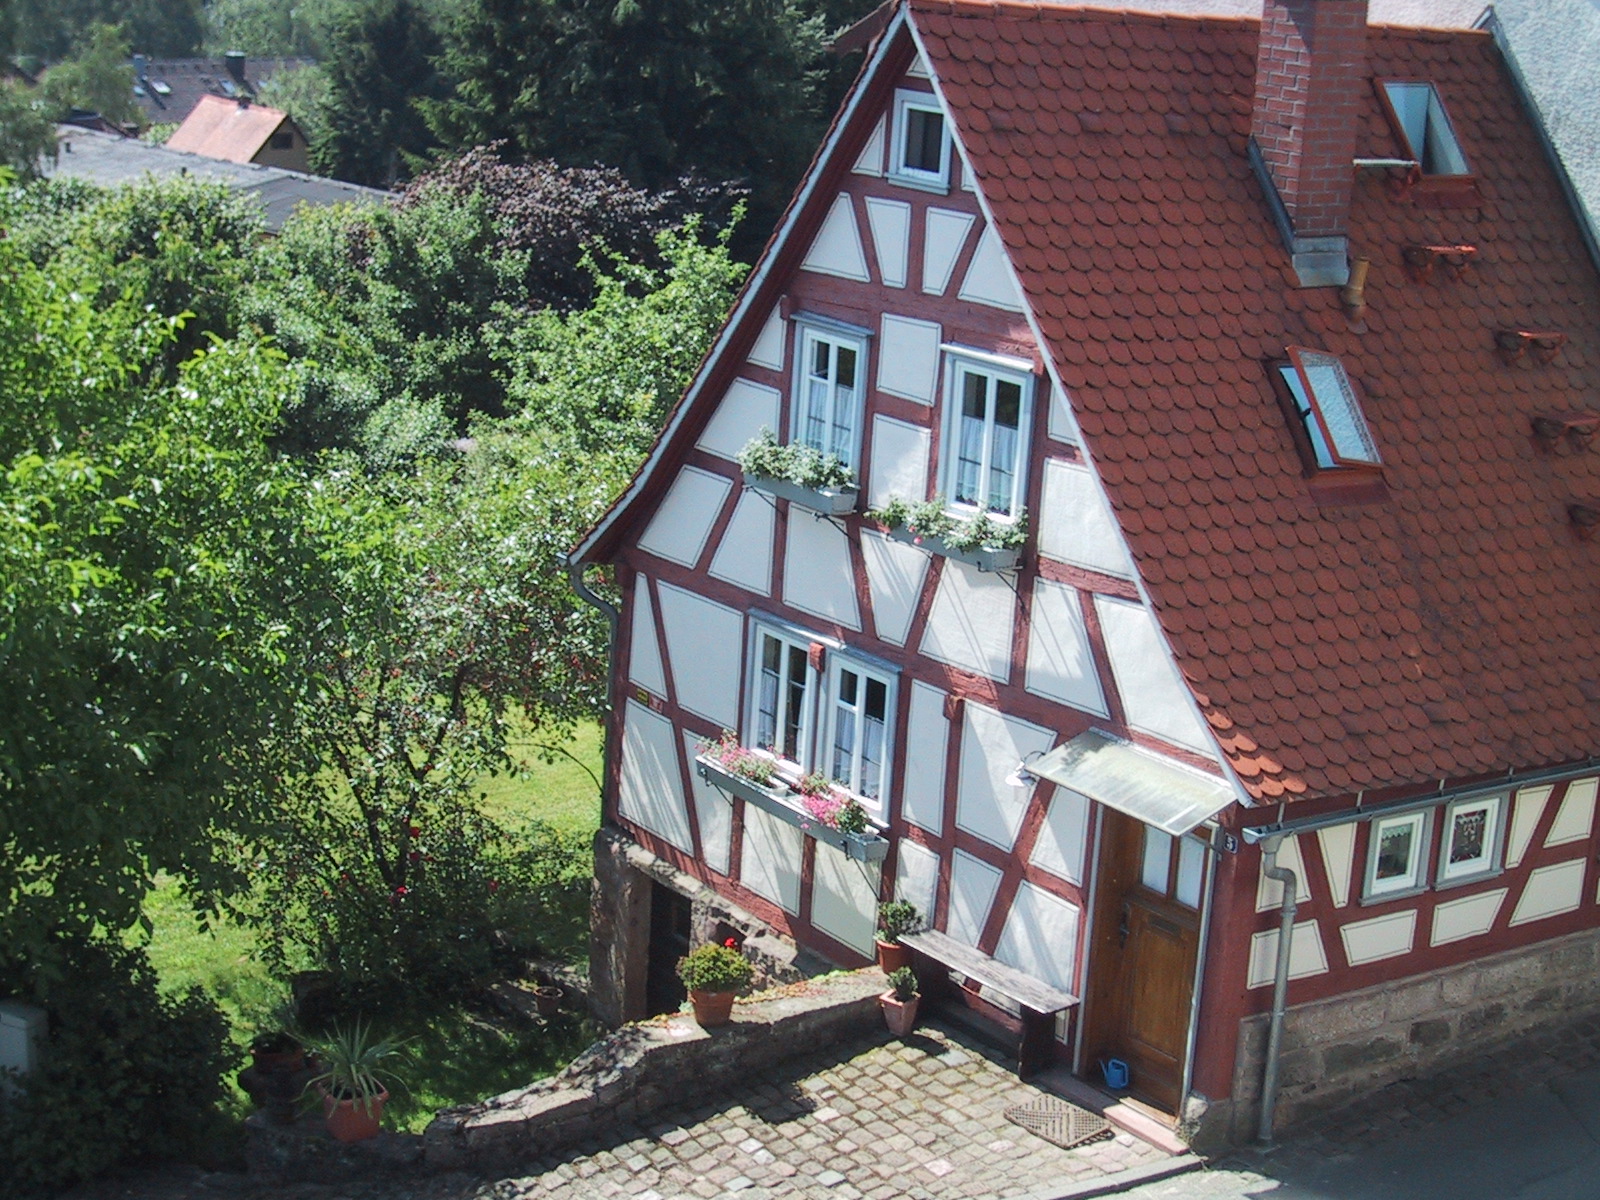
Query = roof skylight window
x=1326 y=403
x=1420 y=118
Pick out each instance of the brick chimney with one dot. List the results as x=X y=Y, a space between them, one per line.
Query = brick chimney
x=1311 y=72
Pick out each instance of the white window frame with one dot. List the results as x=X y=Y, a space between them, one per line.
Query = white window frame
x=905 y=103
x=1483 y=865
x=809 y=330
x=1412 y=881
x=1331 y=413
x=960 y=362
x=865 y=671
x=789 y=639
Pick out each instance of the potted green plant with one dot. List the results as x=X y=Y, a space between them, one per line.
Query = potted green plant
x=899 y=1003
x=895 y=918
x=714 y=975
x=799 y=473
x=352 y=1080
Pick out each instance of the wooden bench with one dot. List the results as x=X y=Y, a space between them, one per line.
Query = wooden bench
x=1039 y=1001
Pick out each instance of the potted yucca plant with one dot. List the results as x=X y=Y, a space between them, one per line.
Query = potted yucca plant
x=352 y=1080
x=714 y=975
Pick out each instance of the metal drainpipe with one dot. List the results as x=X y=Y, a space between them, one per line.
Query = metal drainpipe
x=614 y=620
x=1280 y=982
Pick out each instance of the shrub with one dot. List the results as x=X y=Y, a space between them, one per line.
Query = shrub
x=897 y=917
x=713 y=968
x=728 y=754
x=763 y=458
x=127 y=1074
x=903 y=982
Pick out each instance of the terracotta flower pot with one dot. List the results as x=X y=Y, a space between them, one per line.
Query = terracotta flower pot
x=892 y=956
x=899 y=1015
x=351 y=1120
x=712 y=1008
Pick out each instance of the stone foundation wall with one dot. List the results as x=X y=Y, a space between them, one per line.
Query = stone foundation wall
x=1341 y=1047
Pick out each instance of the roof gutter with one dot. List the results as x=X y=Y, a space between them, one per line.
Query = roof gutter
x=1253 y=834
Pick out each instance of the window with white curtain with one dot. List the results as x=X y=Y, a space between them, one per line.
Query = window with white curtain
x=829 y=390
x=988 y=406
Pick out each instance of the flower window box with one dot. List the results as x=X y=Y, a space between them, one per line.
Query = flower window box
x=985 y=558
x=830 y=501
x=782 y=801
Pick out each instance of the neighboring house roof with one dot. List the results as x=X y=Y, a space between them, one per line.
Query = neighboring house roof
x=111 y=160
x=169 y=88
x=232 y=130
x=1335 y=648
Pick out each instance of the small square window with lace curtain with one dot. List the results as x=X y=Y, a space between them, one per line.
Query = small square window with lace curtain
x=1470 y=848
x=1329 y=410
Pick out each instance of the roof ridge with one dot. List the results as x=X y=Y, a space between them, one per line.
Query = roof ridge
x=1024 y=9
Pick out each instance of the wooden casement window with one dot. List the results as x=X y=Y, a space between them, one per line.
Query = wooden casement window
x=1330 y=426
x=988 y=409
x=829 y=388
x=919 y=153
x=783 y=695
x=1471 y=844
x=1397 y=855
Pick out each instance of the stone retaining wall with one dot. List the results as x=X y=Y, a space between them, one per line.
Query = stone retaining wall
x=1344 y=1046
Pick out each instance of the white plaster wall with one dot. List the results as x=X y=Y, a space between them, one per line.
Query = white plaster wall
x=1551 y=891
x=1076 y=526
x=992 y=744
x=899 y=461
x=988 y=279
x=744 y=555
x=927 y=737
x=1064 y=836
x=1470 y=916
x=1041 y=937
x=895 y=574
x=1060 y=665
x=651 y=793
x=818 y=577
x=1307 y=956
x=1154 y=695
x=1338 y=843
x=681 y=525
x=1378 y=938
x=1529 y=808
x=769 y=863
x=844 y=898
x=837 y=248
x=908 y=362
x=870 y=160
x=713 y=812
x=704 y=644
x=917 y=881
x=970 y=623
x=768 y=349
x=890 y=222
x=973 y=884
x=745 y=408
x=945 y=232
x=1269 y=892
x=1062 y=425
x=1575 y=817
x=644 y=655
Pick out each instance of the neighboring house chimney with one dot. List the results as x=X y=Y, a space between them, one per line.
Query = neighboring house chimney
x=234 y=61
x=1310 y=72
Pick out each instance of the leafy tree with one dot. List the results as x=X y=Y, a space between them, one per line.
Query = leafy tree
x=265 y=28
x=27 y=130
x=99 y=79
x=51 y=30
x=302 y=92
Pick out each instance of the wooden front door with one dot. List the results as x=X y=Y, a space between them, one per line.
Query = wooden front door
x=1142 y=959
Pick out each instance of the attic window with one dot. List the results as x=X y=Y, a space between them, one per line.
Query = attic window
x=920 y=152
x=1422 y=122
x=1326 y=403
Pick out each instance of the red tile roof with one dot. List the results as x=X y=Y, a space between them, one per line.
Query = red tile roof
x=1451 y=631
x=227 y=129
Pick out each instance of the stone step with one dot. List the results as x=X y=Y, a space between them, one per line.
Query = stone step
x=1127 y=1115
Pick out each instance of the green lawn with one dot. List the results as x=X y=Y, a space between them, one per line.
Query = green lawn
x=455 y=1054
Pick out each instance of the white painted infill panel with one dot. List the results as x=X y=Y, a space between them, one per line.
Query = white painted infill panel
x=1154 y=695
x=744 y=556
x=1063 y=837
x=927 y=740
x=1551 y=891
x=1269 y=892
x=1076 y=525
x=744 y=410
x=817 y=575
x=768 y=350
x=1338 y=844
x=918 y=69
x=992 y=744
x=1470 y=916
x=890 y=222
x=644 y=655
x=651 y=792
x=1040 y=937
x=918 y=878
x=1306 y=954
x=844 y=898
x=908 y=361
x=988 y=278
x=1525 y=815
x=970 y=623
x=1575 y=818
x=870 y=160
x=712 y=812
x=899 y=461
x=1382 y=937
x=769 y=863
x=1060 y=663
x=704 y=643
x=837 y=249
x=681 y=525
x=1062 y=425
x=895 y=573
x=973 y=884
x=944 y=234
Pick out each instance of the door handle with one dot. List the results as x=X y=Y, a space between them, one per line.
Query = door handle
x=1122 y=929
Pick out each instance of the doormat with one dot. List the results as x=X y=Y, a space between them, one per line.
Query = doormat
x=1056 y=1121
